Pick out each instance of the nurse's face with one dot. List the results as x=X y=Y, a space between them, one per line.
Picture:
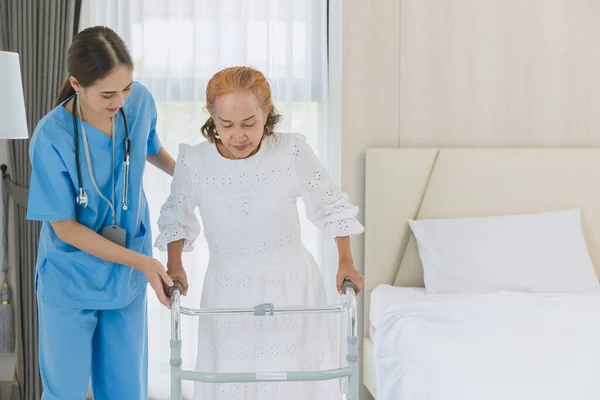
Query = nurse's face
x=105 y=96
x=240 y=123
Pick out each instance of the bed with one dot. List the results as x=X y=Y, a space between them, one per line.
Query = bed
x=419 y=346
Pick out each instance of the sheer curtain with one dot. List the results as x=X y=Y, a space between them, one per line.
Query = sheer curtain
x=177 y=45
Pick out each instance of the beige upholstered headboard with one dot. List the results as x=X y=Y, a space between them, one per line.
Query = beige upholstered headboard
x=443 y=183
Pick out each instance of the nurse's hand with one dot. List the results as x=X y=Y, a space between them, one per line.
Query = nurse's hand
x=177 y=273
x=158 y=279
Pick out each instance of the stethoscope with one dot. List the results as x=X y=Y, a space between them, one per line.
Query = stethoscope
x=82 y=197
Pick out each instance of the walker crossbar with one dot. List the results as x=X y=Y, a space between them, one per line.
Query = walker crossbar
x=295 y=376
x=265 y=310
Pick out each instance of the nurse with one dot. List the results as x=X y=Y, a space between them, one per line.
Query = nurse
x=94 y=261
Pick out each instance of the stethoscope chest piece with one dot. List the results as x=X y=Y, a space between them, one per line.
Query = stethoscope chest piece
x=82 y=198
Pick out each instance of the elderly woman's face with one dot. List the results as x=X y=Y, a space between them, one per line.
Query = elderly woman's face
x=240 y=122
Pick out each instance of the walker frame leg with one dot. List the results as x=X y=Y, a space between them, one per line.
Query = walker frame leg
x=352 y=358
x=176 y=369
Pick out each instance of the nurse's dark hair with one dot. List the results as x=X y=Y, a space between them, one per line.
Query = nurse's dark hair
x=93 y=53
x=239 y=79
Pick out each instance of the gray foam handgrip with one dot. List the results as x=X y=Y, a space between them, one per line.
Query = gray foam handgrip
x=348 y=284
x=176 y=285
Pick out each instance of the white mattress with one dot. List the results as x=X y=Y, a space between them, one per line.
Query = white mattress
x=385 y=296
x=485 y=347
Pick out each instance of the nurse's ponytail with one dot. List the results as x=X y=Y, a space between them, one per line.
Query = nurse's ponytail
x=93 y=54
x=66 y=91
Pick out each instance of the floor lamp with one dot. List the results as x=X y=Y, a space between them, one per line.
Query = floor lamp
x=13 y=125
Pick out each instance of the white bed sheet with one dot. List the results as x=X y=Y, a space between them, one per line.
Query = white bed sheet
x=385 y=296
x=496 y=346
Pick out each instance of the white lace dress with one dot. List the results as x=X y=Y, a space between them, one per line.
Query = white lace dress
x=250 y=221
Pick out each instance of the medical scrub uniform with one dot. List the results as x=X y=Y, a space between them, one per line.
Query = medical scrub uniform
x=92 y=313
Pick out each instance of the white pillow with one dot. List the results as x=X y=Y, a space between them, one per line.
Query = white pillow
x=543 y=252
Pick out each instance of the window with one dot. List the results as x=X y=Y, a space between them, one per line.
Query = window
x=177 y=45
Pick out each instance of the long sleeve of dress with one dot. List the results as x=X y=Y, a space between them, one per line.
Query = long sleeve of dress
x=177 y=219
x=327 y=207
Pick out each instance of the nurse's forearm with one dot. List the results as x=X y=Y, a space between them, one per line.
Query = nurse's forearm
x=163 y=161
x=86 y=240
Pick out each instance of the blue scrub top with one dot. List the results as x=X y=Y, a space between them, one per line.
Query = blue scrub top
x=65 y=275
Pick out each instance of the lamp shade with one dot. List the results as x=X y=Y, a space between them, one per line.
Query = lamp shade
x=13 y=120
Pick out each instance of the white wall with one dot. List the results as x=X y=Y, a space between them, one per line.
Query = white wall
x=499 y=73
x=7 y=362
x=370 y=95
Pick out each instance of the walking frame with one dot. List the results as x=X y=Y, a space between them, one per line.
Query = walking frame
x=350 y=371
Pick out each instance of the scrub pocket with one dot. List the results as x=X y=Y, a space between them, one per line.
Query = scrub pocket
x=140 y=239
x=91 y=279
x=38 y=271
x=140 y=245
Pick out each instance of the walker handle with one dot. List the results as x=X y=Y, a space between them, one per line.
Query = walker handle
x=176 y=286
x=348 y=284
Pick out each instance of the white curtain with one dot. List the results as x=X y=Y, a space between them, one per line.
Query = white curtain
x=177 y=45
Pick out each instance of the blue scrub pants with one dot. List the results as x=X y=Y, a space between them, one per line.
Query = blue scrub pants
x=111 y=346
